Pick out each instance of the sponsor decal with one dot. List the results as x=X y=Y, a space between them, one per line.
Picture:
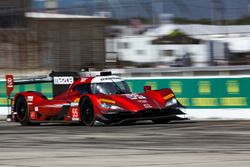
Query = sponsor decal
x=30 y=98
x=83 y=79
x=147 y=105
x=77 y=100
x=63 y=80
x=233 y=101
x=142 y=101
x=32 y=115
x=75 y=119
x=135 y=97
x=110 y=78
x=107 y=101
x=74 y=104
x=168 y=96
x=55 y=105
x=9 y=84
x=101 y=79
x=204 y=102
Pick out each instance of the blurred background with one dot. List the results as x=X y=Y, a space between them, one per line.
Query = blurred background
x=41 y=35
x=198 y=44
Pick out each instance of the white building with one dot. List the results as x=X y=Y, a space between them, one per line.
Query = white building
x=138 y=48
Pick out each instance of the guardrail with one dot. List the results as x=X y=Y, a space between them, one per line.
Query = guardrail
x=223 y=97
x=148 y=72
x=201 y=92
x=193 y=92
x=184 y=71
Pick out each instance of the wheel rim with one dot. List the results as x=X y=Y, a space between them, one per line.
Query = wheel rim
x=87 y=112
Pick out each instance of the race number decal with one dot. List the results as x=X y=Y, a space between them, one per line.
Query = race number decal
x=75 y=114
x=63 y=80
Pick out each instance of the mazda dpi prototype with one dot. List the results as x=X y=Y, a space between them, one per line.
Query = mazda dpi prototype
x=86 y=98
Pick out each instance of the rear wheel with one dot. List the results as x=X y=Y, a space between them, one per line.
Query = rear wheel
x=22 y=110
x=161 y=121
x=87 y=111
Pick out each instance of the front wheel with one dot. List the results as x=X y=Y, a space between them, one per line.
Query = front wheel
x=87 y=111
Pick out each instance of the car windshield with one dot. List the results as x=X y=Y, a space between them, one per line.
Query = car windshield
x=110 y=88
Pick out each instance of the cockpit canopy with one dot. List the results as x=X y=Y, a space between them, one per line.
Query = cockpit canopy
x=104 y=85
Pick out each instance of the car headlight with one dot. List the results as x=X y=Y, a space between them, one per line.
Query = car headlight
x=171 y=102
x=105 y=105
x=110 y=106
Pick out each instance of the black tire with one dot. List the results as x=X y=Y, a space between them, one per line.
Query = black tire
x=87 y=111
x=21 y=108
x=161 y=121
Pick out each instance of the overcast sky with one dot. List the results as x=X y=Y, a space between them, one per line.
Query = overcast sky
x=195 y=9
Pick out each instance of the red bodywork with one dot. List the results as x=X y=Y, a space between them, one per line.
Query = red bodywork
x=66 y=107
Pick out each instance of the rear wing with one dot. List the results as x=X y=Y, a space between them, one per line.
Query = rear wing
x=10 y=82
x=60 y=81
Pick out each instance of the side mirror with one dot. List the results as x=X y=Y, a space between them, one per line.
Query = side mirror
x=147 y=88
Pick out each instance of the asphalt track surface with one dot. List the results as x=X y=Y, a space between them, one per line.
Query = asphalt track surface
x=184 y=143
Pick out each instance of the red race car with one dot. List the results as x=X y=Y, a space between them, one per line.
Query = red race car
x=86 y=98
